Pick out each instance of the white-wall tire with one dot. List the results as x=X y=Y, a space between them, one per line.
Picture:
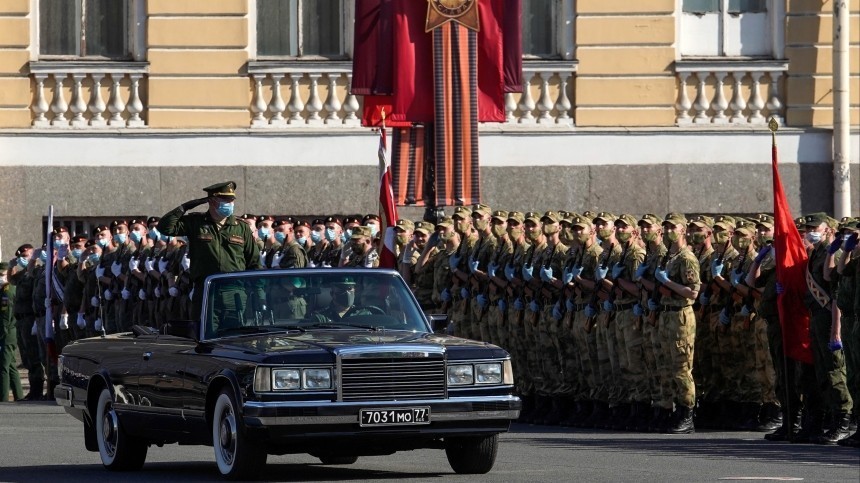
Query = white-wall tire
x=117 y=450
x=237 y=457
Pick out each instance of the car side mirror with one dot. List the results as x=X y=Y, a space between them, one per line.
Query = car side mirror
x=438 y=322
x=180 y=328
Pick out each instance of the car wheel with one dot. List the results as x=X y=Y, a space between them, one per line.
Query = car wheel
x=472 y=456
x=338 y=460
x=118 y=451
x=238 y=458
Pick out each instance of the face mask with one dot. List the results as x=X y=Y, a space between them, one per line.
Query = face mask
x=77 y=253
x=43 y=256
x=374 y=229
x=136 y=236
x=280 y=236
x=103 y=242
x=721 y=237
x=462 y=227
x=358 y=247
x=316 y=236
x=481 y=225
x=765 y=239
x=582 y=238
x=165 y=238
x=813 y=237
x=698 y=238
x=650 y=237
x=345 y=298
x=154 y=234
x=344 y=237
x=22 y=262
x=120 y=238
x=225 y=209
x=330 y=234
x=534 y=235
x=550 y=229
x=446 y=235
x=670 y=237
x=402 y=239
x=94 y=259
x=498 y=231
x=604 y=233
x=624 y=236
x=517 y=233
x=263 y=232
x=741 y=244
x=302 y=240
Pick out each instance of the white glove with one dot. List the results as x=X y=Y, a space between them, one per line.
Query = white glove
x=125 y=294
x=158 y=292
x=133 y=263
x=108 y=295
x=173 y=291
x=100 y=271
x=82 y=323
x=186 y=262
x=64 y=321
x=312 y=264
x=35 y=329
x=191 y=294
x=141 y=294
x=276 y=260
x=162 y=265
x=116 y=269
x=148 y=264
x=98 y=325
x=263 y=258
x=94 y=301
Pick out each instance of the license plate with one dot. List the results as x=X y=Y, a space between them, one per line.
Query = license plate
x=394 y=416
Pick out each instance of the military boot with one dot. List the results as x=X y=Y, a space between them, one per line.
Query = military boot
x=812 y=428
x=770 y=419
x=782 y=433
x=838 y=430
x=682 y=422
x=751 y=412
x=598 y=414
x=852 y=441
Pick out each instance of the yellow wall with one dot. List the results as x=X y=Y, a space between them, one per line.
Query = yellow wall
x=14 y=55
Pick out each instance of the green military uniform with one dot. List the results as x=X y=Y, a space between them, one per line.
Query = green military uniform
x=422 y=278
x=214 y=247
x=652 y=350
x=368 y=259
x=482 y=253
x=846 y=294
x=342 y=306
x=9 y=377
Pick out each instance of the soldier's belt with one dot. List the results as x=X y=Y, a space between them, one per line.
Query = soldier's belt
x=622 y=307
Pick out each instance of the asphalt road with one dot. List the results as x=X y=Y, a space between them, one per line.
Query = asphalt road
x=39 y=442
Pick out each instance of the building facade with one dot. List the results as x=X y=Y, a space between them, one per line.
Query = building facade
x=119 y=108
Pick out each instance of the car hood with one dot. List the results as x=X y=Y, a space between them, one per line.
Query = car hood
x=269 y=347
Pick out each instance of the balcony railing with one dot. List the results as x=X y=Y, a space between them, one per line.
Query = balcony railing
x=295 y=94
x=100 y=94
x=729 y=92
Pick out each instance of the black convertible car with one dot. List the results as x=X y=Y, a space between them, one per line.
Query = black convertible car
x=335 y=363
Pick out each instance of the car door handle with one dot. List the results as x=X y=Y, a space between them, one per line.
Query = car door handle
x=147 y=355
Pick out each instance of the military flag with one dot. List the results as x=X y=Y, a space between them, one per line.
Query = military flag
x=387 y=257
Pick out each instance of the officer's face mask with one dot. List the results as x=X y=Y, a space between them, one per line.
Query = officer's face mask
x=77 y=253
x=280 y=236
x=154 y=234
x=698 y=238
x=624 y=236
x=225 y=209
x=136 y=236
x=499 y=230
x=582 y=237
x=316 y=236
x=43 y=256
x=550 y=229
x=120 y=238
x=814 y=236
x=94 y=259
x=343 y=297
x=534 y=235
x=23 y=261
x=330 y=234
x=517 y=233
x=402 y=239
x=302 y=240
x=764 y=238
x=741 y=244
x=604 y=233
x=670 y=238
x=721 y=237
x=263 y=232
x=374 y=229
x=481 y=224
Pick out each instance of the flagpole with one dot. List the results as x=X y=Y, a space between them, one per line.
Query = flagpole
x=773 y=125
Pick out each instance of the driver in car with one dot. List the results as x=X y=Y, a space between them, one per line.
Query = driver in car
x=342 y=304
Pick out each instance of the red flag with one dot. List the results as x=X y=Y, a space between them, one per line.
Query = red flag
x=387 y=258
x=791 y=259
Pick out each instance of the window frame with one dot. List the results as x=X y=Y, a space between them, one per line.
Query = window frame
x=347 y=28
x=136 y=36
x=565 y=16
x=775 y=11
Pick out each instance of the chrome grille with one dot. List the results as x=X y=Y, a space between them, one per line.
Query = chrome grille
x=395 y=379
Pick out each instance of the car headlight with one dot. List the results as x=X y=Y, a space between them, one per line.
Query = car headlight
x=488 y=373
x=316 y=379
x=461 y=374
x=286 y=379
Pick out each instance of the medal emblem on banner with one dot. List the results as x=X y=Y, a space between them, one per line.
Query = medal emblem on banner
x=464 y=12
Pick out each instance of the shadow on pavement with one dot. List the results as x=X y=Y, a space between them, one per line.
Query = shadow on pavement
x=693 y=445
x=201 y=471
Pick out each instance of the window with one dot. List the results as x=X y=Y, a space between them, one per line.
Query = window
x=725 y=28
x=540 y=20
x=84 y=28
x=301 y=28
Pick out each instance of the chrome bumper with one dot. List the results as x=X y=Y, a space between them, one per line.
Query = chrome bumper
x=296 y=413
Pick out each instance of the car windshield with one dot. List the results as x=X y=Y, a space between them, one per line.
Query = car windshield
x=248 y=303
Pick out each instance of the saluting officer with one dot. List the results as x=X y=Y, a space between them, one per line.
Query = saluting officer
x=217 y=241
